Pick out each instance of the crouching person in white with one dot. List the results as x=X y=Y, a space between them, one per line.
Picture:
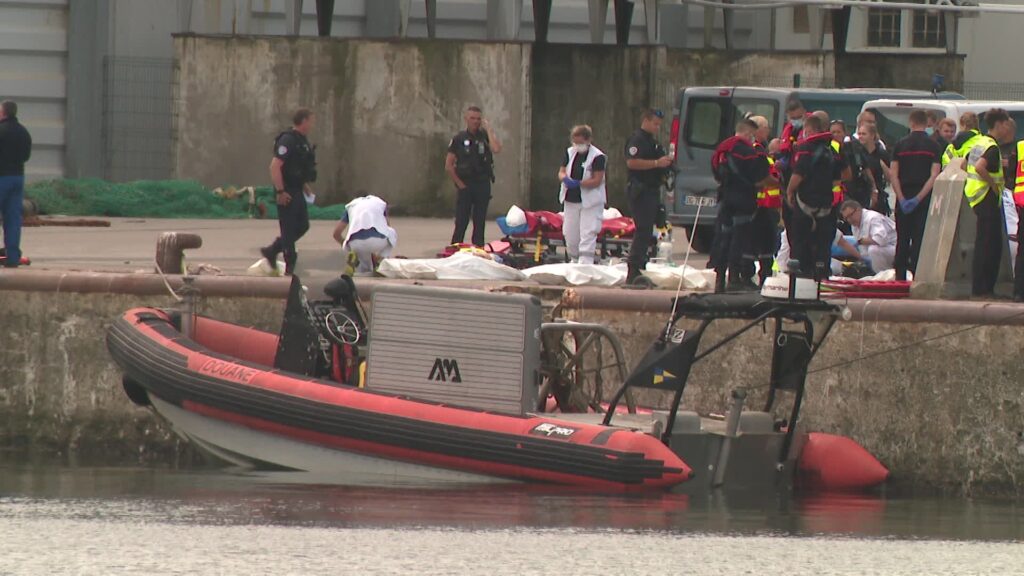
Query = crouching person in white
x=364 y=231
x=875 y=234
x=583 y=195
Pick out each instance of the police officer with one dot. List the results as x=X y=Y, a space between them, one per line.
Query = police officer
x=291 y=170
x=915 y=166
x=743 y=171
x=470 y=165
x=15 y=149
x=647 y=163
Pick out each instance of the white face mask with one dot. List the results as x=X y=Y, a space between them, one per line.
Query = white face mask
x=581 y=148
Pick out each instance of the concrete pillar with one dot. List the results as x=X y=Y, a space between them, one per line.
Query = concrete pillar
x=324 y=17
x=504 y=18
x=185 y=16
x=88 y=45
x=729 y=25
x=387 y=18
x=947 y=251
x=598 y=20
x=709 y=26
x=651 y=20
x=623 y=21
x=816 y=26
x=431 y=18
x=951 y=21
x=541 y=20
x=292 y=17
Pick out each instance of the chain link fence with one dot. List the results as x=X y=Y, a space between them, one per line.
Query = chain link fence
x=137 y=119
x=993 y=91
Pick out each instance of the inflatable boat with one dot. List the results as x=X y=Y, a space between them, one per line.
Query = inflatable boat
x=451 y=386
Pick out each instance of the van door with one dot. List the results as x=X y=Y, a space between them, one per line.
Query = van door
x=757 y=102
x=705 y=114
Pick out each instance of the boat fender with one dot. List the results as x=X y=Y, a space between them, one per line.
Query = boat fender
x=136 y=393
x=830 y=462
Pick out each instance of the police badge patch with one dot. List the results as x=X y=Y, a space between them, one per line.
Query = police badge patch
x=282 y=150
x=633 y=150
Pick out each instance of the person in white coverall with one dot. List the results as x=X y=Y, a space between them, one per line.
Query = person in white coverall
x=582 y=192
x=364 y=231
x=875 y=234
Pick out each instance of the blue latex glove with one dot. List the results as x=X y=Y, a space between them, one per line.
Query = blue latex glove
x=909 y=204
x=570 y=182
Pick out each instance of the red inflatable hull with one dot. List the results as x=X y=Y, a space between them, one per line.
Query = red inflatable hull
x=225 y=375
x=830 y=462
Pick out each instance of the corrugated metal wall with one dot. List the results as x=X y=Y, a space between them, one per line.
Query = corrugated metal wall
x=33 y=73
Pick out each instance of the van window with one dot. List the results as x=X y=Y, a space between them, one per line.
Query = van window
x=1018 y=117
x=704 y=122
x=846 y=111
x=767 y=108
x=894 y=123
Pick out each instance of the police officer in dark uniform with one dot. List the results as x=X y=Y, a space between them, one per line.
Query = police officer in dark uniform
x=291 y=171
x=915 y=166
x=647 y=163
x=470 y=165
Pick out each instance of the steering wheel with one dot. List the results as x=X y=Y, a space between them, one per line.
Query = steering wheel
x=342 y=328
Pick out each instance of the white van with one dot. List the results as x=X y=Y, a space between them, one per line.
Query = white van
x=894 y=115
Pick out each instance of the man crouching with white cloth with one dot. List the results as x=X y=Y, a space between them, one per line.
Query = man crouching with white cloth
x=583 y=195
x=875 y=234
x=367 y=232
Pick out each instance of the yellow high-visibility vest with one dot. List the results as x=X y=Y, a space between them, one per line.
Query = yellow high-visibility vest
x=975 y=189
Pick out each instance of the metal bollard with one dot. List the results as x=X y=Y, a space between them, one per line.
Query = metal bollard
x=170 y=247
x=189 y=298
x=732 y=426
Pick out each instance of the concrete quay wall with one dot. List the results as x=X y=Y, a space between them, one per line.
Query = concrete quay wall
x=387 y=109
x=946 y=412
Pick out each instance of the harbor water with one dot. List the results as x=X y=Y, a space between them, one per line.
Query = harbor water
x=82 y=520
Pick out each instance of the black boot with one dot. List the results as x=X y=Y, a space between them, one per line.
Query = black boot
x=289 y=263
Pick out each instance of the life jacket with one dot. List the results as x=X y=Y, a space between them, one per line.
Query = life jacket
x=721 y=167
x=820 y=148
x=975 y=189
x=770 y=196
x=838 y=188
x=1018 y=186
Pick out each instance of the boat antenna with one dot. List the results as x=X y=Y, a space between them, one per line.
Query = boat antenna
x=682 y=273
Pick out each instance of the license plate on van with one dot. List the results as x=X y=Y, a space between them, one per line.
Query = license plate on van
x=704 y=201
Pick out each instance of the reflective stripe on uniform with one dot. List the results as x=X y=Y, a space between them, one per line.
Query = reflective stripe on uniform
x=1018 y=186
x=975 y=188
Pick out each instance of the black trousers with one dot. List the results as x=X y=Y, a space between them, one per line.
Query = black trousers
x=643 y=203
x=988 y=244
x=810 y=242
x=472 y=201
x=734 y=243
x=293 y=223
x=765 y=232
x=909 y=235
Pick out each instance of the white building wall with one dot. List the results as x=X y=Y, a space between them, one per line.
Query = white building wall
x=990 y=43
x=33 y=73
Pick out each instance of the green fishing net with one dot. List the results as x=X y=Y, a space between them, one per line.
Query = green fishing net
x=159 y=199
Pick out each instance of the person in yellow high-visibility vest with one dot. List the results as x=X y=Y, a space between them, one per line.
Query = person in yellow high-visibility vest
x=1018 y=201
x=983 y=190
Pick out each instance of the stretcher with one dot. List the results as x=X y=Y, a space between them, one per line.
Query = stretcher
x=539 y=239
x=875 y=289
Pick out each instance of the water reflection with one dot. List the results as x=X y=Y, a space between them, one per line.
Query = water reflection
x=219 y=498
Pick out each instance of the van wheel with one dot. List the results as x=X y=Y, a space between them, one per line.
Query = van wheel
x=700 y=238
